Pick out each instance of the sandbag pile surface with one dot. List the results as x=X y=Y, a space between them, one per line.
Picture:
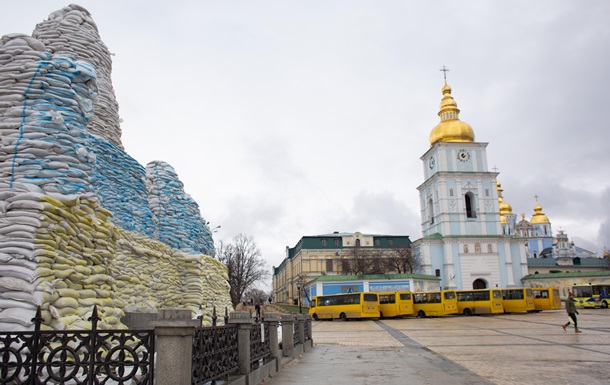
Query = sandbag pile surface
x=71 y=31
x=150 y=275
x=180 y=223
x=120 y=182
x=55 y=252
x=45 y=104
x=81 y=222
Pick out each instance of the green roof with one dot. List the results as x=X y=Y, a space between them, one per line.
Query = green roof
x=578 y=262
x=578 y=274
x=372 y=277
x=440 y=236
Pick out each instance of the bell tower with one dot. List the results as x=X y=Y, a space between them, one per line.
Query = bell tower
x=459 y=194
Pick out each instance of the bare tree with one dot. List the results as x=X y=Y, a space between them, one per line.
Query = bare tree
x=402 y=260
x=244 y=265
x=257 y=295
x=364 y=261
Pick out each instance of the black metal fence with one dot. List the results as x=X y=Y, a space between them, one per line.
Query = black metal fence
x=77 y=357
x=260 y=350
x=306 y=328
x=214 y=353
x=295 y=332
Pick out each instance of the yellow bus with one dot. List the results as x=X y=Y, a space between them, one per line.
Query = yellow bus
x=518 y=300
x=479 y=301
x=592 y=296
x=546 y=299
x=434 y=304
x=345 y=306
x=397 y=304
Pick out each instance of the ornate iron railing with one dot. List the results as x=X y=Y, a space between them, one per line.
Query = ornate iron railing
x=306 y=328
x=214 y=353
x=260 y=349
x=295 y=334
x=77 y=357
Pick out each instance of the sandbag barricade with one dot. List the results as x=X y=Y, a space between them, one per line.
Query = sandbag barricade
x=81 y=222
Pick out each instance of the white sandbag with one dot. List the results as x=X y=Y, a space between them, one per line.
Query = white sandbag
x=18 y=315
x=24 y=273
x=7 y=303
x=17 y=284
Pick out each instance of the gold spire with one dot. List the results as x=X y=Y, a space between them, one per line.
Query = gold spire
x=505 y=208
x=451 y=128
x=538 y=216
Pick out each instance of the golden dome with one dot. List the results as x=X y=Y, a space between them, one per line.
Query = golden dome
x=538 y=216
x=451 y=128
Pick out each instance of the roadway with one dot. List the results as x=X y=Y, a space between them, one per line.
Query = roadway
x=502 y=349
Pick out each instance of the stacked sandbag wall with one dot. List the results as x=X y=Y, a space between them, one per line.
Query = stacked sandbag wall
x=180 y=223
x=55 y=251
x=119 y=181
x=71 y=31
x=78 y=216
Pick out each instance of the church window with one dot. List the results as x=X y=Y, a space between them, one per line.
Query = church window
x=329 y=265
x=450 y=192
x=323 y=242
x=336 y=243
x=437 y=272
x=431 y=211
x=486 y=192
x=357 y=242
x=470 y=209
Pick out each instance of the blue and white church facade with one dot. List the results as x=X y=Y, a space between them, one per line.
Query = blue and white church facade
x=464 y=241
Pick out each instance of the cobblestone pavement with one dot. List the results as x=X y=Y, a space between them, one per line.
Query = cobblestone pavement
x=500 y=349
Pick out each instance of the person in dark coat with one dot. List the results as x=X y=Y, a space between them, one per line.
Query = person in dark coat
x=571 y=310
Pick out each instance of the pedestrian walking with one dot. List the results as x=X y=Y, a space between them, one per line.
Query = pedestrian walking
x=571 y=310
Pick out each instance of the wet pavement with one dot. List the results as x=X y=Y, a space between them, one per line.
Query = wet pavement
x=501 y=349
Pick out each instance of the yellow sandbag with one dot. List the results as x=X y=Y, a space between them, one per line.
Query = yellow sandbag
x=66 y=302
x=67 y=312
x=68 y=292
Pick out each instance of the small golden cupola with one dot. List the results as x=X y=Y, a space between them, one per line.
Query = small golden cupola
x=505 y=208
x=538 y=217
x=451 y=128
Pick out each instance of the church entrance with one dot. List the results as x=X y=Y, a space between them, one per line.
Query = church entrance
x=479 y=284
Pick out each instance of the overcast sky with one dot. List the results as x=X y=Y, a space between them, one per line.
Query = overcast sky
x=292 y=118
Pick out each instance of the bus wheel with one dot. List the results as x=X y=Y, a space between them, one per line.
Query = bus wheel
x=421 y=314
x=315 y=317
x=343 y=317
x=467 y=311
x=604 y=305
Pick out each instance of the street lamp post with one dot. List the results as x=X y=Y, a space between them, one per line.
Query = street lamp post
x=300 y=307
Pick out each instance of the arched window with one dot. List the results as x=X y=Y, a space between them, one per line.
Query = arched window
x=437 y=272
x=470 y=207
x=357 y=242
x=479 y=284
x=431 y=211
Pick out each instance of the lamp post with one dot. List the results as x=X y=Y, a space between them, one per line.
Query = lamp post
x=300 y=307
